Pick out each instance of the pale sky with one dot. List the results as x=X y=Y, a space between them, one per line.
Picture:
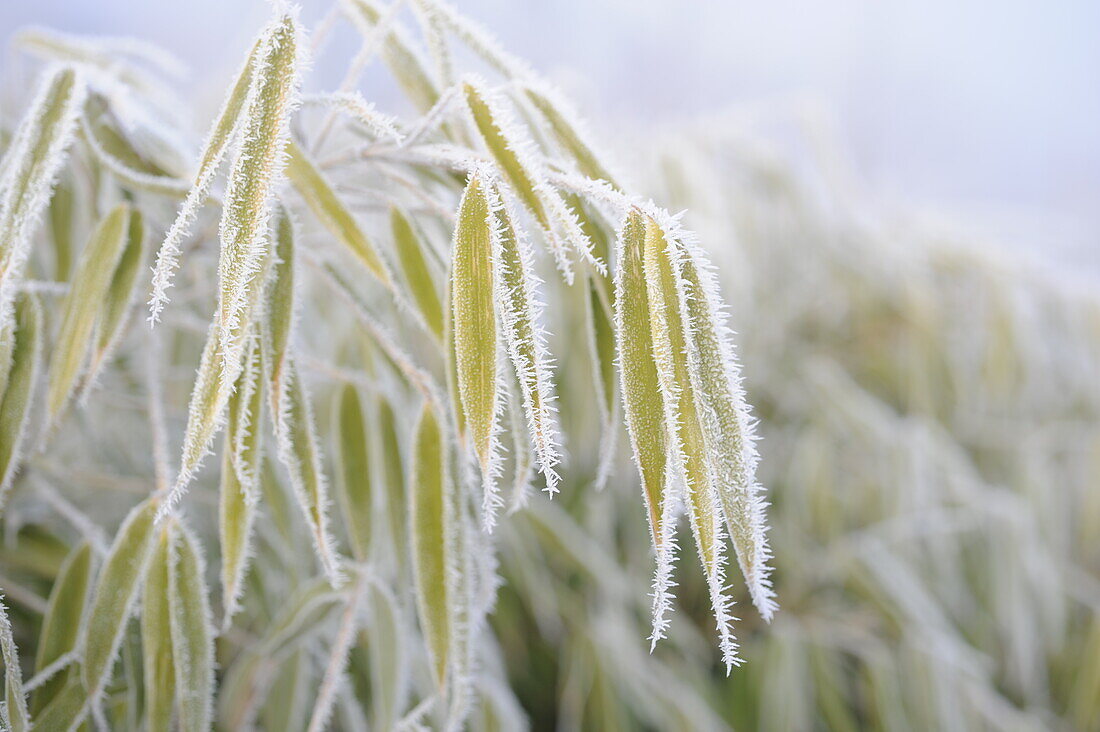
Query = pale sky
x=987 y=110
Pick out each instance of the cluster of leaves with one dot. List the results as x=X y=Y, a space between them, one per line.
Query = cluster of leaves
x=387 y=264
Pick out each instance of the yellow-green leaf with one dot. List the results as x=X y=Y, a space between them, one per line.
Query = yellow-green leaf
x=115 y=593
x=90 y=287
x=156 y=639
x=23 y=339
x=331 y=211
x=354 y=478
x=429 y=497
x=192 y=633
x=473 y=319
x=61 y=623
x=410 y=253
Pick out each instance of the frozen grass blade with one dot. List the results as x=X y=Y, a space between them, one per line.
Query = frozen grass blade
x=568 y=130
x=514 y=158
x=24 y=354
x=90 y=288
x=115 y=310
x=429 y=493
x=156 y=638
x=338 y=659
x=418 y=276
x=117 y=589
x=643 y=405
x=354 y=477
x=299 y=451
x=520 y=311
x=239 y=492
x=191 y=630
x=228 y=122
x=15 y=700
x=398 y=53
x=60 y=632
x=475 y=333
x=255 y=171
x=727 y=429
x=279 y=310
x=31 y=165
x=687 y=451
x=331 y=211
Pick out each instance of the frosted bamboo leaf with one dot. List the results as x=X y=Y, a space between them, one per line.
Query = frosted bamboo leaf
x=118 y=155
x=31 y=165
x=388 y=657
x=393 y=481
x=429 y=494
x=688 y=453
x=15 y=700
x=255 y=171
x=515 y=160
x=239 y=476
x=418 y=276
x=156 y=638
x=22 y=340
x=62 y=214
x=727 y=429
x=116 y=591
x=61 y=623
x=67 y=710
x=405 y=63
x=192 y=633
x=353 y=481
x=643 y=406
x=300 y=453
x=643 y=409
x=600 y=332
x=225 y=127
x=90 y=288
x=475 y=333
x=205 y=416
x=338 y=658
x=568 y=131
x=279 y=310
x=361 y=111
x=517 y=298
x=115 y=309
x=331 y=211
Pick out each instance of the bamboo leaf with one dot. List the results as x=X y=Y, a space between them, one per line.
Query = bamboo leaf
x=90 y=288
x=255 y=171
x=116 y=591
x=520 y=308
x=225 y=127
x=418 y=276
x=156 y=638
x=23 y=340
x=643 y=406
x=687 y=451
x=475 y=333
x=15 y=700
x=299 y=451
x=429 y=497
x=31 y=165
x=354 y=482
x=727 y=429
x=61 y=623
x=115 y=310
x=191 y=630
x=239 y=482
x=331 y=211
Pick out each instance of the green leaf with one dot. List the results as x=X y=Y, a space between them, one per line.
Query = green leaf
x=115 y=594
x=429 y=497
x=61 y=623
x=156 y=639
